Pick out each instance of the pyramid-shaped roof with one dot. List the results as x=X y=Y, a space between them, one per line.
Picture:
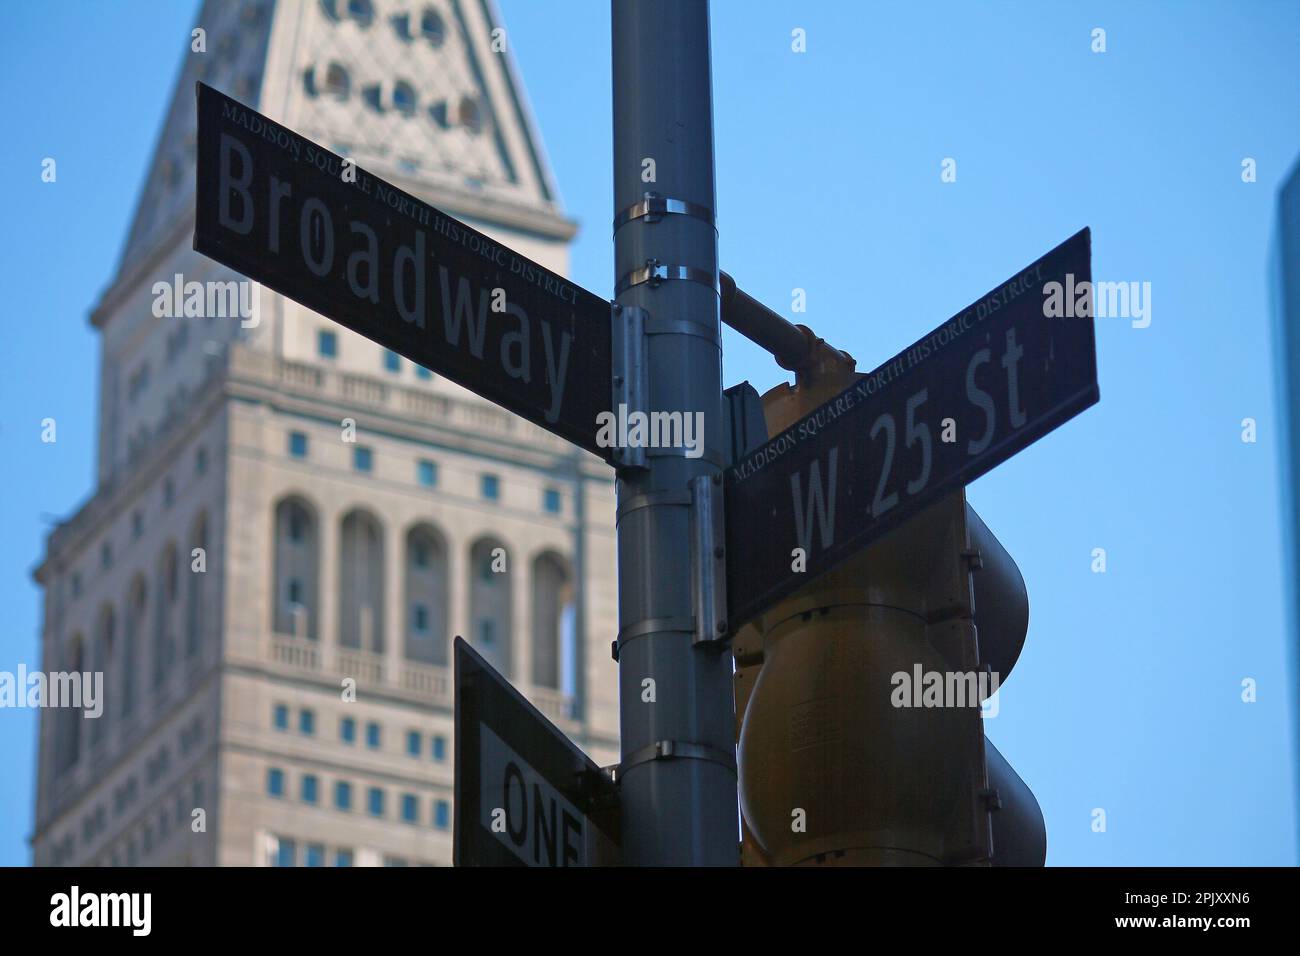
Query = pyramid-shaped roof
x=423 y=93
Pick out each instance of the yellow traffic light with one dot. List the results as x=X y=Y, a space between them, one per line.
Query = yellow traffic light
x=858 y=698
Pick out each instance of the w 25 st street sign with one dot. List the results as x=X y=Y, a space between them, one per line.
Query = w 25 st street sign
x=992 y=379
x=285 y=212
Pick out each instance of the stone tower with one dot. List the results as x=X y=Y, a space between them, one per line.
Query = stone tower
x=288 y=517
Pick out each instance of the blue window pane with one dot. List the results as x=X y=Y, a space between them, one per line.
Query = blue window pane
x=426 y=473
x=413 y=743
x=432 y=27
x=442 y=814
x=297 y=444
x=348 y=730
x=420 y=619
x=327 y=344
x=343 y=858
x=439 y=748
x=375 y=802
x=551 y=501
x=315 y=854
x=362 y=459
x=287 y=852
x=392 y=361
x=307 y=722
x=362 y=11
x=372 y=736
x=422 y=372
x=490 y=486
x=343 y=795
x=404 y=98
x=309 y=788
x=281 y=717
x=410 y=808
x=275 y=783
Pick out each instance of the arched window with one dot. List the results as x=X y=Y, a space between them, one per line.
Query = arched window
x=552 y=621
x=296 y=593
x=363 y=11
x=102 y=662
x=361 y=583
x=134 y=634
x=164 y=613
x=337 y=82
x=196 y=613
x=470 y=114
x=426 y=596
x=432 y=27
x=489 y=599
x=69 y=717
x=404 y=97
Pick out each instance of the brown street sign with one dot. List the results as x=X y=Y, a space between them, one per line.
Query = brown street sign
x=309 y=224
x=997 y=376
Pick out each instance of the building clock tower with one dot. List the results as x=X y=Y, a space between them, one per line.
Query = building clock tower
x=290 y=524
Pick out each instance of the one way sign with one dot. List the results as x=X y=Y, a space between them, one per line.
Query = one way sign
x=524 y=794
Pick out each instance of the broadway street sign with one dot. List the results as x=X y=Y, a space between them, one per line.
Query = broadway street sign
x=995 y=377
x=525 y=795
x=317 y=229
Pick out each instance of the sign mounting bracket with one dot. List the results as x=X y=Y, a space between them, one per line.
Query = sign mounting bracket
x=708 y=559
x=629 y=374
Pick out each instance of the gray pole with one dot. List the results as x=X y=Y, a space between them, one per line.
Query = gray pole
x=679 y=808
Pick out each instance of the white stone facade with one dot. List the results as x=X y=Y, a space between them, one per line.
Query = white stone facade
x=386 y=542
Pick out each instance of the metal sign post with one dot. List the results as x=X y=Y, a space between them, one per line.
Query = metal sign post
x=678 y=774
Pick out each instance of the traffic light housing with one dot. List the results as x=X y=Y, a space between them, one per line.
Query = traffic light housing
x=859 y=728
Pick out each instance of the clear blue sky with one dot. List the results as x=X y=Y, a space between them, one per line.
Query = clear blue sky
x=1127 y=696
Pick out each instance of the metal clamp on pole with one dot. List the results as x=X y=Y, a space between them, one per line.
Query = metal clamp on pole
x=656 y=272
x=708 y=558
x=628 y=327
x=652 y=207
x=651 y=625
x=677 y=750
